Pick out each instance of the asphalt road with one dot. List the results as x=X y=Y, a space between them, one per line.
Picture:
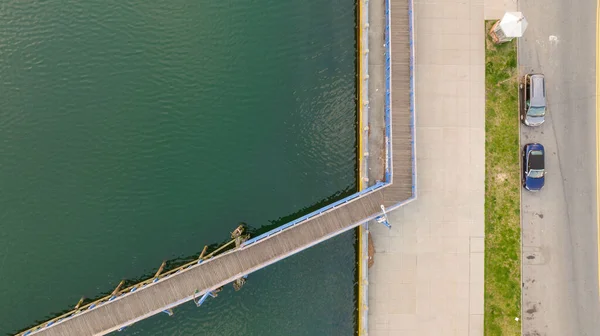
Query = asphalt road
x=560 y=247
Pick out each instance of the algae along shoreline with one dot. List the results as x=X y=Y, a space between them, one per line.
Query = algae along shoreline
x=502 y=191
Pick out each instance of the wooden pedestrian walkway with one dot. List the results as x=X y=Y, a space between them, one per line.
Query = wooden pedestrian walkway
x=402 y=116
x=199 y=278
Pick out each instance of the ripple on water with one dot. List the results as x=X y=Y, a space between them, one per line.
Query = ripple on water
x=137 y=131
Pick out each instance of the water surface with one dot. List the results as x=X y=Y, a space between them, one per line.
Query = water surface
x=137 y=131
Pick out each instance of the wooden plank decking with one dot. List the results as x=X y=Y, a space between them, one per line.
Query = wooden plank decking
x=223 y=269
x=402 y=187
x=218 y=271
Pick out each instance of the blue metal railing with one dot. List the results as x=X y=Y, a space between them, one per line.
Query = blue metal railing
x=315 y=213
x=388 y=95
x=413 y=120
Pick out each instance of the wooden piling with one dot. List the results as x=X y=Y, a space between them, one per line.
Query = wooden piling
x=237 y=232
x=160 y=269
x=203 y=251
x=117 y=288
x=80 y=302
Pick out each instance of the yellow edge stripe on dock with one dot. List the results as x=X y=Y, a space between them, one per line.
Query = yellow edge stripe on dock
x=359 y=90
x=361 y=269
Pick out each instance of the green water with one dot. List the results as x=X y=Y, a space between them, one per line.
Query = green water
x=137 y=131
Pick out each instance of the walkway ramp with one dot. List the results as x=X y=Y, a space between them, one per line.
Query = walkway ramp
x=216 y=272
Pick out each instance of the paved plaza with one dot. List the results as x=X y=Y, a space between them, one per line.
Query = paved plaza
x=429 y=268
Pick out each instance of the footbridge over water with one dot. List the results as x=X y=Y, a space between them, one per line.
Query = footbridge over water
x=199 y=279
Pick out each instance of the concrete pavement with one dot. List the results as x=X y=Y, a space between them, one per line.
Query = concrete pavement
x=560 y=266
x=428 y=273
x=495 y=9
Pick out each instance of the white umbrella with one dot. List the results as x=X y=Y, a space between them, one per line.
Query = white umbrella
x=513 y=24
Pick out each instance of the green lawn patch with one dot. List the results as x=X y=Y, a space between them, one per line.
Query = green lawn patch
x=502 y=190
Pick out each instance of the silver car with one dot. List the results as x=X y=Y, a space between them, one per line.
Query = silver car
x=533 y=101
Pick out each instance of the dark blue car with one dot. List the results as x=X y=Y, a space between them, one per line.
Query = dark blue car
x=533 y=166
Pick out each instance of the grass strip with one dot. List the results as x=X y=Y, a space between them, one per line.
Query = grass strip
x=502 y=190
